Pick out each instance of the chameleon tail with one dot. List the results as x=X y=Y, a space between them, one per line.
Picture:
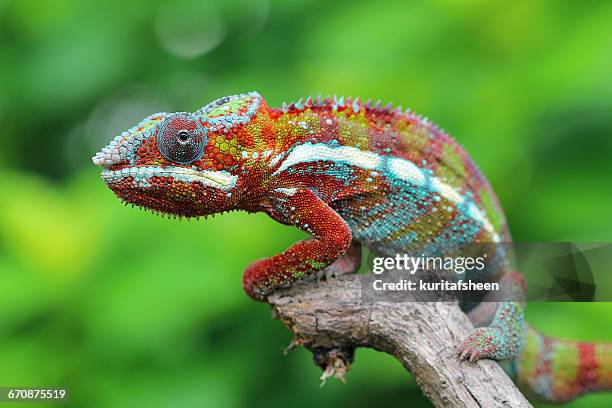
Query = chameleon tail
x=560 y=370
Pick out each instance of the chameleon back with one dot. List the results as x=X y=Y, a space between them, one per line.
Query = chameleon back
x=398 y=180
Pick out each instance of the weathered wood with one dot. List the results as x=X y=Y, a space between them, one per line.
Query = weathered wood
x=329 y=319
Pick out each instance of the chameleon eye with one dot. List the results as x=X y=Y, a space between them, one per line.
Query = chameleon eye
x=181 y=138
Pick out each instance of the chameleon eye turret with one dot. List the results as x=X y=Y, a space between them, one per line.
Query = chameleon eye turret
x=181 y=138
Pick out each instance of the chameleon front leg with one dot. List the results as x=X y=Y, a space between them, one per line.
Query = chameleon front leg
x=501 y=338
x=331 y=238
x=346 y=264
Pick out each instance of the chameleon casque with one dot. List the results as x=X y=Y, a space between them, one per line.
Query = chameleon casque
x=349 y=174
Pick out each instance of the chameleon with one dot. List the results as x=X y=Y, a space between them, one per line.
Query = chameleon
x=350 y=174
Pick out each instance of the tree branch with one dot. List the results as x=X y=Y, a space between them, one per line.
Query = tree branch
x=330 y=320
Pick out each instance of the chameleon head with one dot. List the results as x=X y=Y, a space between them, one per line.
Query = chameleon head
x=186 y=164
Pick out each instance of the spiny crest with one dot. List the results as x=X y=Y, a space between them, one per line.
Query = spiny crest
x=337 y=102
x=340 y=103
x=180 y=217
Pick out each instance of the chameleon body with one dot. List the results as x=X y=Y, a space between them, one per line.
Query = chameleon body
x=349 y=174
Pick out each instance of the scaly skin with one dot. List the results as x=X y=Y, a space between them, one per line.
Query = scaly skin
x=349 y=174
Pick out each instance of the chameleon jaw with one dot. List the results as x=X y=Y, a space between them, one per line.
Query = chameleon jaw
x=142 y=176
x=173 y=191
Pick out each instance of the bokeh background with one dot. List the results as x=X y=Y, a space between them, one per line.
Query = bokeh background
x=128 y=309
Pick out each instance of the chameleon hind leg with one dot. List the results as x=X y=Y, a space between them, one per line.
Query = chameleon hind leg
x=331 y=238
x=501 y=338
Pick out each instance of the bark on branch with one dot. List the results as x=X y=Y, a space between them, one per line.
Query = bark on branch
x=329 y=319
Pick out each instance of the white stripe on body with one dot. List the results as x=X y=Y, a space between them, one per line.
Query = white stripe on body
x=400 y=168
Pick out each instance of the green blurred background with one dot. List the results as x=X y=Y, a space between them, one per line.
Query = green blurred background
x=128 y=309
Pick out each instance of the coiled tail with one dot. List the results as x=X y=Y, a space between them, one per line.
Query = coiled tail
x=553 y=370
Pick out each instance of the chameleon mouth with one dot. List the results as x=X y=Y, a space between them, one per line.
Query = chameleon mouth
x=142 y=176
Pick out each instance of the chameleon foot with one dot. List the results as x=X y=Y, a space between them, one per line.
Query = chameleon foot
x=485 y=342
